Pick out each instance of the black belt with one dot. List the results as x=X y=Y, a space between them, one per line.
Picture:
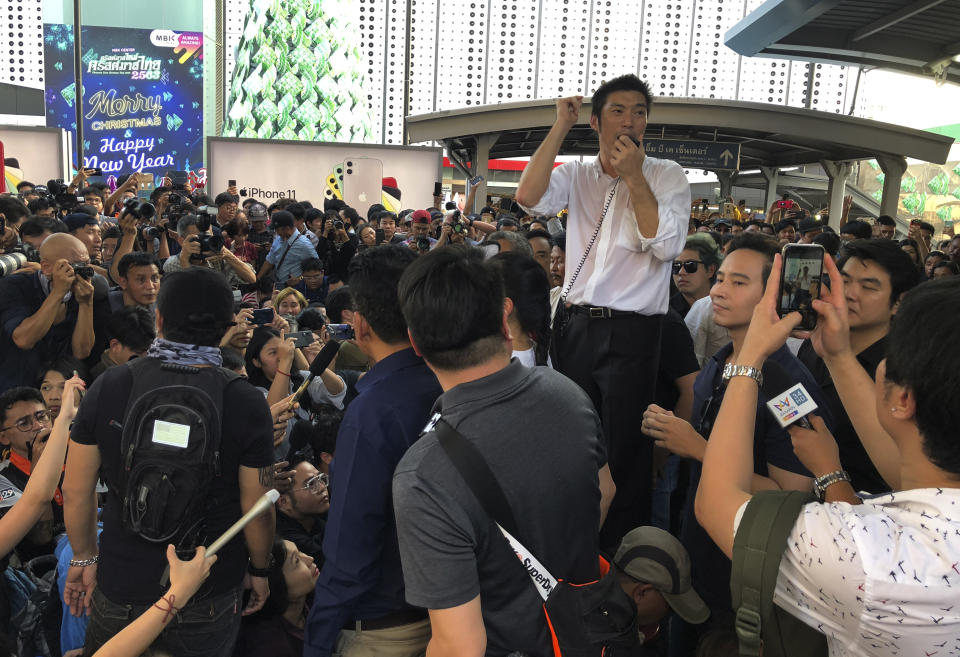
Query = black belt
x=395 y=619
x=599 y=312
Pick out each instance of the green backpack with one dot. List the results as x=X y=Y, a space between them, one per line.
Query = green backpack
x=763 y=627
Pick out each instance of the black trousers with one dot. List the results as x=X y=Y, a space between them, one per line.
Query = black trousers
x=615 y=361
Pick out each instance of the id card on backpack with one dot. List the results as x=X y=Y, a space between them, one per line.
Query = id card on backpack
x=171 y=433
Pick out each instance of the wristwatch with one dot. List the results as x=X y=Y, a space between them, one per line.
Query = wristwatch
x=730 y=370
x=260 y=572
x=820 y=484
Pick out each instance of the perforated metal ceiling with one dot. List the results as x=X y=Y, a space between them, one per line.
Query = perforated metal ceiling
x=476 y=52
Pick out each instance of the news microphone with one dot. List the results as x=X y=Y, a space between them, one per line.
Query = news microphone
x=789 y=401
x=320 y=363
x=266 y=500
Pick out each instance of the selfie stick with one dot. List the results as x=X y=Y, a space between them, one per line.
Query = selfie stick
x=266 y=501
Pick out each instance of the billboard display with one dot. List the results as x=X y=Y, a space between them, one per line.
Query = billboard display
x=142 y=97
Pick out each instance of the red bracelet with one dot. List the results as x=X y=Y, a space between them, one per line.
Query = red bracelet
x=286 y=374
x=169 y=611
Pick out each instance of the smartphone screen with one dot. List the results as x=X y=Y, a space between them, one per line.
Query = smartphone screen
x=303 y=338
x=800 y=281
x=231 y=183
x=437 y=189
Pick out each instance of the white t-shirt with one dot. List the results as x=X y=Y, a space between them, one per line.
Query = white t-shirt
x=880 y=578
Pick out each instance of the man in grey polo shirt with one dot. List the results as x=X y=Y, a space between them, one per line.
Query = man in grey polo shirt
x=539 y=434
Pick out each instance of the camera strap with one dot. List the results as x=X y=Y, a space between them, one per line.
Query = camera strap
x=593 y=239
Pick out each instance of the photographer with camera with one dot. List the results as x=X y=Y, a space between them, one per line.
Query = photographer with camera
x=419 y=236
x=200 y=247
x=49 y=313
x=336 y=247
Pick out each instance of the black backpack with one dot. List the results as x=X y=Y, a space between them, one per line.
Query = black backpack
x=170 y=447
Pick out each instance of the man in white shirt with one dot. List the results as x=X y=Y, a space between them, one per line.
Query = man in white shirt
x=617 y=282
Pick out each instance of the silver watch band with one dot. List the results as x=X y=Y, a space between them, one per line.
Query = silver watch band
x=820 y=484
x=730 y=370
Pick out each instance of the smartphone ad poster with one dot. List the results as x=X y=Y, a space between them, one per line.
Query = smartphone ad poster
x=142 y=97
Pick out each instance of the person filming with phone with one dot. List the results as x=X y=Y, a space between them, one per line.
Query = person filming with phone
x=628 y=216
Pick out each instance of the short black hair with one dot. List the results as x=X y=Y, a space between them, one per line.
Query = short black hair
x=949 y=264
x=922 y=356
x=886 y=220
x=297 y=210
x=525 y=282
x=890 y=257
x=927 y=226
x=281 y=219
x=38 y=204
x=311 y=264
x=763 y=244
x=65 y=366
x=112 y=232
x=784 y=224
x=560 y=241
x=453 y=303
x=231 y=359
x=21 y=393
x=24 y=183
x=92 y=191
x=37 y=226
x=136 y=259
x=859 y=229
x=706 y=247
x=133 y=327
x=223 y=198
x=310 y=319
x=196 y=305
x=337 y=301
x=536 y=232
x=829 y=241
x=374 y=275
x=13 y=209
x=351 y=215
x=629 y=82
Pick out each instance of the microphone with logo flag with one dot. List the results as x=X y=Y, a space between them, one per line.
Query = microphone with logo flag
x=320 y=363
x=789 y=401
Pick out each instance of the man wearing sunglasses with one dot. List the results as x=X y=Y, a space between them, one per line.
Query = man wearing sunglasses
x=301 y=510
x=24 y=428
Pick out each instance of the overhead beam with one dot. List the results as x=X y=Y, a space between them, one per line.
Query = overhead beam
x=892 y=19
x=772 y=21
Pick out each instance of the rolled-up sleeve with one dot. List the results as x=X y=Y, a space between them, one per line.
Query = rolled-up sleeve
x=557 y=196
x=669 y=185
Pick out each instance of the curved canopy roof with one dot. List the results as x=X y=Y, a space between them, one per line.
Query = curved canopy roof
x=913 y=36
x=769 y=135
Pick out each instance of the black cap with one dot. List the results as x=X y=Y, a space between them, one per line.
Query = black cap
x=809 y=225
x=77 y=220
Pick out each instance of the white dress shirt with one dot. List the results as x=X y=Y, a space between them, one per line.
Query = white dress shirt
x=624 y=271
x=880 y=578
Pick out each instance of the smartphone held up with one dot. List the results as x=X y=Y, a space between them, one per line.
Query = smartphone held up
x=801 y=276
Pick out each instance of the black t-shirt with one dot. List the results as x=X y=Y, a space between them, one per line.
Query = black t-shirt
x=541 y=437
x=677 y=359
x=130 y=567
x=853 y=457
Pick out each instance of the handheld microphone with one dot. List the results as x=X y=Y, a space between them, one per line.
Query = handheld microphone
x=320 y=363
x=789 y=401
x=266 y=500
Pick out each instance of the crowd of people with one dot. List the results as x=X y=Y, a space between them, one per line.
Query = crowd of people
x=433 y=393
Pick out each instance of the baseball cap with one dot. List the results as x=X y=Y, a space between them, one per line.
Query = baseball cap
x=77 y=220
x=809 y=225
x=653 y=556
x=196 y=298
x=257 y=212
x=420 y=217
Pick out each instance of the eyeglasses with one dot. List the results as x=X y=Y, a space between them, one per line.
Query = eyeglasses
x=26 y=422
x=315 y=484
x=688 y=266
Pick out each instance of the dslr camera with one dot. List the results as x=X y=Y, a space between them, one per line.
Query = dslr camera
x=138 y=209
x=83 y=271
x=66 y=201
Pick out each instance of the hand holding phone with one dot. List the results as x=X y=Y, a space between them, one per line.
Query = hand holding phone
x=800 y=281
x=262 y=316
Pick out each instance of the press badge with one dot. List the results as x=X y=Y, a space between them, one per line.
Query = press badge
x=171 y=433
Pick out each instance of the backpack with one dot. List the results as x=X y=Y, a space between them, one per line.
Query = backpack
x=170 y=447
x=35 y=621
x=762 y=626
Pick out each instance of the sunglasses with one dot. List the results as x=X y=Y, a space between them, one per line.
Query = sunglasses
x=688 y=266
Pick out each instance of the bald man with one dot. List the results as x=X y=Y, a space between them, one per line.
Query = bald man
x=47 y=314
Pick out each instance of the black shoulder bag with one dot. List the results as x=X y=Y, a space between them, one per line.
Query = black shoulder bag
x=584 y=619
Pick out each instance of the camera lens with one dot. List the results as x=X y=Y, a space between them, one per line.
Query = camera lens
x=349 y=171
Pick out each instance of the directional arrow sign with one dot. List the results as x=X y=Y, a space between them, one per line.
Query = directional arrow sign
x=714 y=155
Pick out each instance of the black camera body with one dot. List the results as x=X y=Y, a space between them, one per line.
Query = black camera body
x=337 y=224
x=152 y=233
x=83 y=271
x=138 y=209
x=209 y=245
x=423 y=244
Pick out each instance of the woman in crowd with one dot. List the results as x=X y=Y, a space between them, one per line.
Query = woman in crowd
x=289 y=302
x=277 y=629
x=368 y=236
x=909 y=246
x=238 y=244
x=528 y=291
x=278 y=368
x=53 y=378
